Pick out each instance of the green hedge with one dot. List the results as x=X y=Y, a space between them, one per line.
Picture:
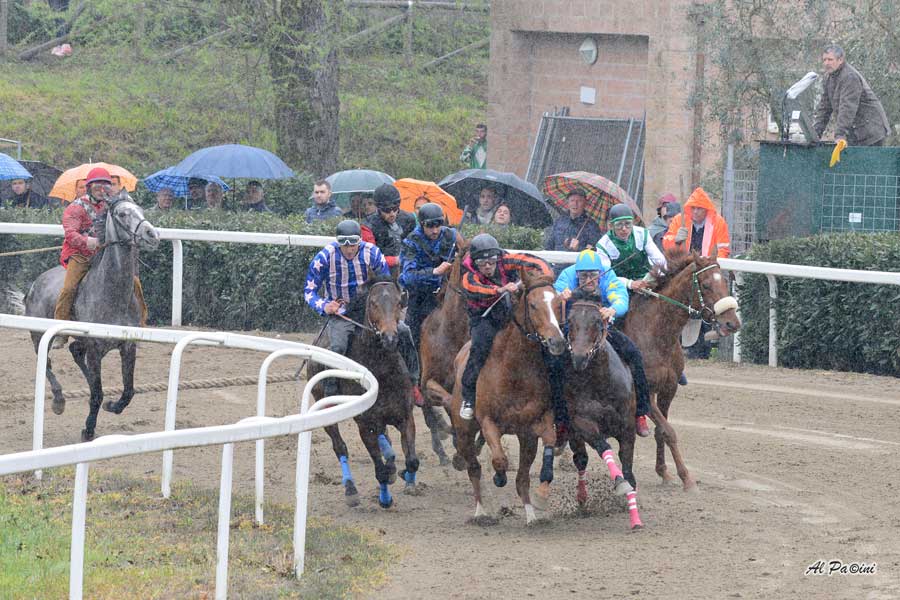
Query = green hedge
x=226 y=286
x=826 y=324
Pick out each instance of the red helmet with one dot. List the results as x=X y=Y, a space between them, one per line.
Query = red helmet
x=98 y=174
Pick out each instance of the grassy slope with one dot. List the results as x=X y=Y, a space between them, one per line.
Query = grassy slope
x=141 y=546
x=103 y=103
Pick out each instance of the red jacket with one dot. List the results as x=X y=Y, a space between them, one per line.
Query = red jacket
x=78 y=224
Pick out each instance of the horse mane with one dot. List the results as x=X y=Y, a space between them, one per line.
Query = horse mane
x=676 y=262
x=357 y=305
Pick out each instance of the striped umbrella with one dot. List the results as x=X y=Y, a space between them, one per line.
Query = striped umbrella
x=601 y=194
x=11 y=169
x=167 y=178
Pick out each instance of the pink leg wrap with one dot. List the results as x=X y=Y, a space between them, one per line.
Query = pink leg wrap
x=614 y=470
x=582 y=494
x=631 y=497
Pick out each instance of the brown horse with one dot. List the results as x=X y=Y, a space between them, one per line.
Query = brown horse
x=513 y=394
x=601 y=401
x=444 y=332
x=374 y=346
x=692 y=286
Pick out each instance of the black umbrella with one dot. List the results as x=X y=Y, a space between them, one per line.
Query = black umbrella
x=525 y=201
x=44 y=177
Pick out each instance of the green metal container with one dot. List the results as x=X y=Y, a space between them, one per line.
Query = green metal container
x=798 y=194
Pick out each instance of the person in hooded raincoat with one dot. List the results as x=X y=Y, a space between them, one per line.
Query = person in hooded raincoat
x=699 y=228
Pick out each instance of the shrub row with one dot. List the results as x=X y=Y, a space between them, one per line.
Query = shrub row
x=226 y=286
x=826 y=324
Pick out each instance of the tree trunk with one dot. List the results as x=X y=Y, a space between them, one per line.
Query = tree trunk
x=303 y=64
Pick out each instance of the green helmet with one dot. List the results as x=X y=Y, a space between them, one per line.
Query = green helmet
x=619 y=212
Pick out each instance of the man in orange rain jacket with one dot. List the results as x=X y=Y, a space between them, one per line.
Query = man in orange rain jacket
x=699 y=228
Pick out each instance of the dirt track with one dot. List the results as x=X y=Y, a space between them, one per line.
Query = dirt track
x=793 y=467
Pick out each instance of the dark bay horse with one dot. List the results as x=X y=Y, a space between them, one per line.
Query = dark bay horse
x=513 y=394
x=601 y=401
x=375 y=346
x=105 y=295
x=692 y=286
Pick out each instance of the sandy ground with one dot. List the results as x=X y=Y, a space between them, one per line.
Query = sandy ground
x=794 y=467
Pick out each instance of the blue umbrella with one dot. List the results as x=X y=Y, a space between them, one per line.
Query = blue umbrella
x=355 y=181
x=177 y=183
x=11 y=169
x=233 y=161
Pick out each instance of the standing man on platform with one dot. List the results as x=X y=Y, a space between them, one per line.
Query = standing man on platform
x=860 y=119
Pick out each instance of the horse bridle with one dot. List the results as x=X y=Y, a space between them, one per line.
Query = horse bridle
x=722 y=304
x=121 y=225
x=603 y=325
x=533 y=335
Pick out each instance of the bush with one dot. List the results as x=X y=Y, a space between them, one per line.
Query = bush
x=226 y=286
x=826 y=324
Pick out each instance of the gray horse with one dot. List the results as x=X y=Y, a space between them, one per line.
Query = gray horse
x=105 y=295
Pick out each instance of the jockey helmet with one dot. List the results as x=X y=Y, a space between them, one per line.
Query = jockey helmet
x=348 y=227
x=430 y=212
x=620 y=212
x=484 y=245
x=386 y=196
x=98 y=174
x=588 y=260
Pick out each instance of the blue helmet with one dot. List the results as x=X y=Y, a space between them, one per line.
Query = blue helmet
x=588 y=260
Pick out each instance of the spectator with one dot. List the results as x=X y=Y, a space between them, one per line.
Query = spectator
x=502 y=216
x=369 y=207
x=323 y=207
x=659 y=225
x=356 y=208
x=255 y=201
x=390 y=225
x=196 y=193
x=164 y=200
x=116 y=186
x=420 y=201
x=574 y=231
x=860 y=119
x=80 y=188
x=487 y=204
x=475 y=153
x=669 y=210
x=215 y=195
x=24 y=197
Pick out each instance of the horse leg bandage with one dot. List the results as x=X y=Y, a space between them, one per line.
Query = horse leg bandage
x=345 y=471
x=614 y=470
x=581 y=494
x=631 y=497
x=547 y=466
x=386 y=449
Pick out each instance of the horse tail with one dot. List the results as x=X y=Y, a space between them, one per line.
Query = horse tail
x=12 y=301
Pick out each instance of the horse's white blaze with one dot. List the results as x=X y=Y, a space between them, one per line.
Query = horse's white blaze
x=548 y=298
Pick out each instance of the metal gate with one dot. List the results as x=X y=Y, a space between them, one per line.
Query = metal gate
x=613 y=148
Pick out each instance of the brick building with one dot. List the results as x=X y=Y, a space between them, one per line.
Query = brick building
x=646 y=61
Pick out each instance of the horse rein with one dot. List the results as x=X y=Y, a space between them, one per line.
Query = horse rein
x=534 y=336
x=115 y=217
x=604 y=325
x=368 y=326
x=695 y=288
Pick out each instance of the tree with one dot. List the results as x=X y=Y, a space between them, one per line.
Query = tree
x=300 y=40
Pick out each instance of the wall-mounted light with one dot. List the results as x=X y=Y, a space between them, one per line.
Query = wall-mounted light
x=588 y=51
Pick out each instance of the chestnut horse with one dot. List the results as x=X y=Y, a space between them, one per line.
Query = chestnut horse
x=601 y=401
x=374 y=345
x=513 y=394
x=692 y=286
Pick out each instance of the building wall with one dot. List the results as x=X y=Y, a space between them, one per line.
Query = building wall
x=646 y=61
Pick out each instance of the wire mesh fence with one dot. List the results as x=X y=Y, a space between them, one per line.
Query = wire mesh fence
x=856 y=202
x=743 y=225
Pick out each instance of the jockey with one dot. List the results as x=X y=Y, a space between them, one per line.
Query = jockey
x=389 y=224
x=427 y=256
x=589 y=274
x=489 y=272
x=83 y=222
x=343 y=267
x=632 y=247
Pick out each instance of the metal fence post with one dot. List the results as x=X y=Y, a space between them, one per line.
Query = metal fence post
x=177 y=274
x=79 y=512
x=224 y=522
x=773 y=321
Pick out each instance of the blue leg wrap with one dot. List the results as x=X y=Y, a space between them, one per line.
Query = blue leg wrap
x=547 y=466
x=345 y=471
x=384 y=495
x=409 y=476
x=386 y=449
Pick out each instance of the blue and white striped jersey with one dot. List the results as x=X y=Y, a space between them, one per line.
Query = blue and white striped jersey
x=341 y=277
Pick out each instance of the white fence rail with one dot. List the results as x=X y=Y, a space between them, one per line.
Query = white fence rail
x=771 y=270
x=259 y=427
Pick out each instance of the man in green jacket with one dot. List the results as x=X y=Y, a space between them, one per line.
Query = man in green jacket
x=860 y=119
x=475 y=153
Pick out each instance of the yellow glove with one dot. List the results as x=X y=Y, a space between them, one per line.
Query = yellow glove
x=836 y=154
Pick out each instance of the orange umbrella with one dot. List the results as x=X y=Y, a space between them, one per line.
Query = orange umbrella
x=64 y=188
x=413 y=189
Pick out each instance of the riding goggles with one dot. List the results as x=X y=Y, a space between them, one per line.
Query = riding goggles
x=348 y=240
x=433 y=223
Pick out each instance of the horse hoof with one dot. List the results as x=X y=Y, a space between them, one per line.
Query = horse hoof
x=351 y=496
x=500 y=479
x=58 y=406
x=443 y=460
x=459 y=463
x=622 y=487
x=637 y=527
x=690 y=486
x=87 y=436
x=386 y=503
x=541 y=496
x=112 y=407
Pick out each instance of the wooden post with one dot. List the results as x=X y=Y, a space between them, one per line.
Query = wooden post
x=4 y=17
x=408 y=42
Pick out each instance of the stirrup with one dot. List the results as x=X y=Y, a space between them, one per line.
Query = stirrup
x=466 y=411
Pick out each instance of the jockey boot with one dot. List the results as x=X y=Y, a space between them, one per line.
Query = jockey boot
x=640 y=426
x=142 y=304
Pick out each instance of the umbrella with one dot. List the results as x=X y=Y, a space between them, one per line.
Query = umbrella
x=64 y=188
x=525 y=201
x=235 y=161
x=412 y=189
x=10 y=168
x=355 y=181
x=177 y=183
x=601 y=194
